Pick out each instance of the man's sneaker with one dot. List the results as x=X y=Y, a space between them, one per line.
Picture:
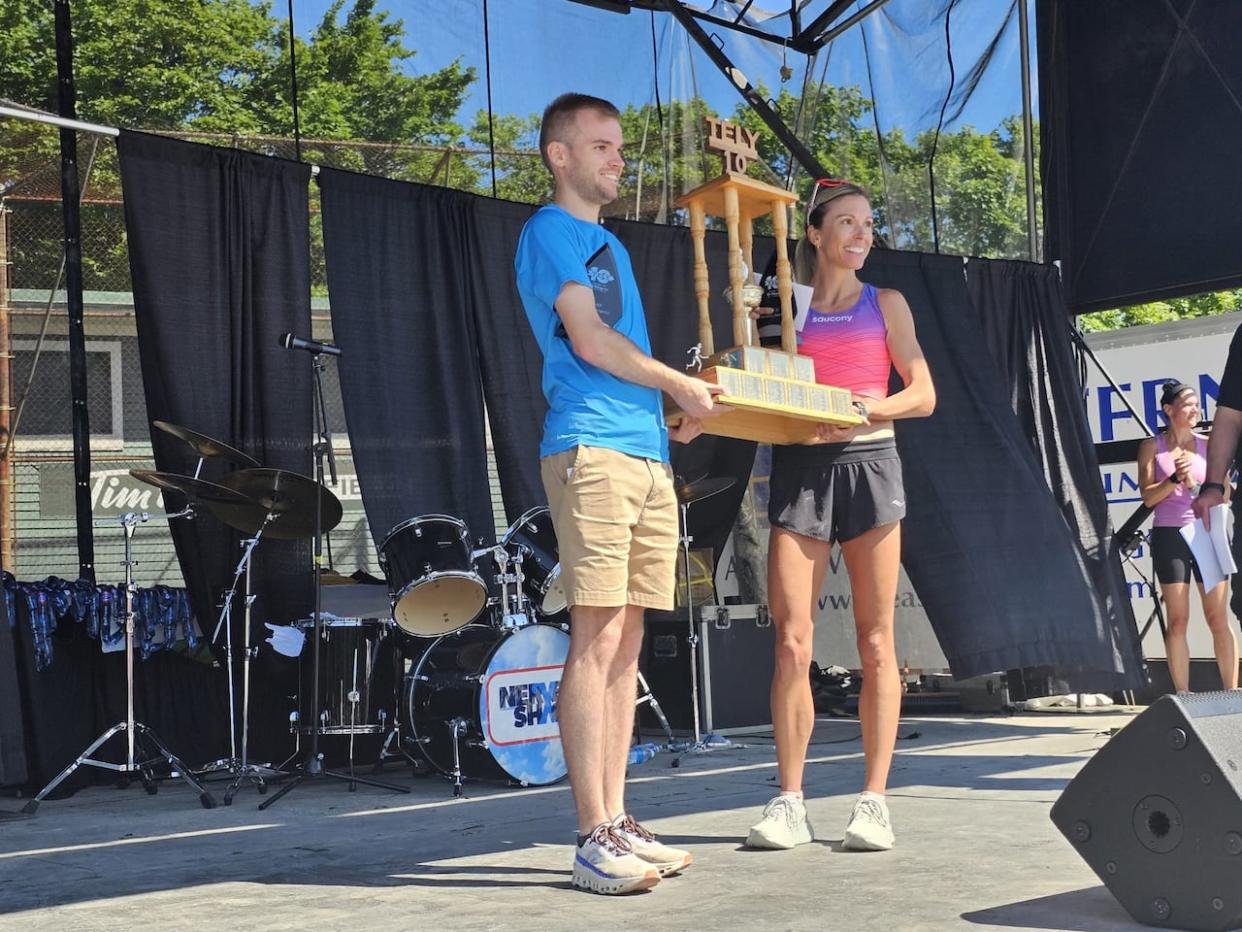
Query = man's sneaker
x=784 y=825
x=664 y=858
x=870 y=828
x=605 y=863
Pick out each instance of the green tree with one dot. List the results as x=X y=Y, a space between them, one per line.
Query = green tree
x=223 y=66
x=1160 y=312
x=142 y=64
x=353 y=85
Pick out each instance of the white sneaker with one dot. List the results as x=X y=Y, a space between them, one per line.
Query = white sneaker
x=870 y=828
x=784 y=825
x=664 y=858
x=606 y=863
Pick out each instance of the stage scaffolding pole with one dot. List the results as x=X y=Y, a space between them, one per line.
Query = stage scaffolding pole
x=71 y=209
x=1028 y=131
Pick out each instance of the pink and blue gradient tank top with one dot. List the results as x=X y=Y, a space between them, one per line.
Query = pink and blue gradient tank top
x=850 y=347
x=1174 y=510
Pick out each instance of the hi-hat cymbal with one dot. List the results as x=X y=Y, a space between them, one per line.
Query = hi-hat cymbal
x=690 y=492
x=204 y=445
x=196 y=490
x=288 y=496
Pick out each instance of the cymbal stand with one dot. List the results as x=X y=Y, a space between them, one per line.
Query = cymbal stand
x=135 y=731
x=312 y=767
x=702 y=744
x=243 y=771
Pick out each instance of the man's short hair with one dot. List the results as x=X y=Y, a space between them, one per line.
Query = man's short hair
x=559 y=118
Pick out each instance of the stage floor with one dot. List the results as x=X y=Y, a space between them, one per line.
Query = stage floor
x=969 y=798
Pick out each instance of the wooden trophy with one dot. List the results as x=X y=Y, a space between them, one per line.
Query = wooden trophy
x=773 y=393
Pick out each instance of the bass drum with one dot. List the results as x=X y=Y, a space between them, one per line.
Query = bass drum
x=499 y=687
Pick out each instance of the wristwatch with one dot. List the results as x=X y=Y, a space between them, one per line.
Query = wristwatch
x=1212 y=485
x=1175 y=478
x=861 y=408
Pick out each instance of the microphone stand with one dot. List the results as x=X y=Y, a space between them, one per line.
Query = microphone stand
x=312 y=766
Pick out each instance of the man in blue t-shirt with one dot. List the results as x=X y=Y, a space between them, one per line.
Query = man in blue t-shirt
x=604 y=464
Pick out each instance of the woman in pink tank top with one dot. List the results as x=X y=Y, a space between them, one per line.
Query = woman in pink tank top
x=842 y=487
x=1171 y=467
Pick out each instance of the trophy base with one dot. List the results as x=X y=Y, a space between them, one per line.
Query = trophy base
x=771 y=410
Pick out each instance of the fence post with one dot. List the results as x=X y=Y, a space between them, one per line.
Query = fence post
x=6 y=397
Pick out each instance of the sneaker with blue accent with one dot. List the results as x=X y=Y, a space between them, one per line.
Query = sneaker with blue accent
x=605 y=862
x=664 y=858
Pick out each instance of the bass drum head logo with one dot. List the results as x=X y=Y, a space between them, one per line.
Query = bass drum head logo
x=518 y=704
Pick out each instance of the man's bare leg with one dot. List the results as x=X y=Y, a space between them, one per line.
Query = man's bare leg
x=595 y=639
x=619 y=705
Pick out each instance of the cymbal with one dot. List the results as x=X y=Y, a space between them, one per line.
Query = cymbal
x=690 y=492
x=204 y=445
x=288 y=496
x=196 y=490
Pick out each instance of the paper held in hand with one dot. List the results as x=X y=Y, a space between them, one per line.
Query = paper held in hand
x=1211 y=548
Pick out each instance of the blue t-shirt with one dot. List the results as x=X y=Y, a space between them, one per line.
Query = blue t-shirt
x=586 y=405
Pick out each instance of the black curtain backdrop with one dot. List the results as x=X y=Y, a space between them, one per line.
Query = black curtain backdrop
x=219 y=254
x=1021 y=310
x=1003 y=576
x=399 y=277
x=12 y=730
x=1140 y=126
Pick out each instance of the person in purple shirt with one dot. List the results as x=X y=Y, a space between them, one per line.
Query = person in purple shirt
x=1171 y=467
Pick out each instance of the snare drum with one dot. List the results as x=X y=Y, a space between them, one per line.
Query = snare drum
x=499 y=688
x=431 y=578
x=356 y=688
x=533 y=536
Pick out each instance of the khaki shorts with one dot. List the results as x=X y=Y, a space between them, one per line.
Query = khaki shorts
x=616 y=526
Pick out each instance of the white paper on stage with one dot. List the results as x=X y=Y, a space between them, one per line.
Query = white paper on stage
x=1211 y=548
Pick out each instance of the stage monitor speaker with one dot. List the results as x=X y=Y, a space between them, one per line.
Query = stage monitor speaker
x=1157 y=813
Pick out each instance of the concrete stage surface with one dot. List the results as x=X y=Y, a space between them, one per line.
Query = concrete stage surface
x=969 y=798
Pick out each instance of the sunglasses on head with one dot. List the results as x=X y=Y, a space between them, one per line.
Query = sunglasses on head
x=825 y=184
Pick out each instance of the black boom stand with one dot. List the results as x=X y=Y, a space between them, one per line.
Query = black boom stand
x=312 y=766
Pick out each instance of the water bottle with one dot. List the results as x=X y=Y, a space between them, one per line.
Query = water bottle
x=641 y=753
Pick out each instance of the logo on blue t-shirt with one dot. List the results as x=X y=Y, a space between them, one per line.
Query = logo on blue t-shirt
x=602 y=273
x=600 y=278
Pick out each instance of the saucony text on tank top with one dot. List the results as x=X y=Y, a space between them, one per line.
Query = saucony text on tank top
x=850 y=346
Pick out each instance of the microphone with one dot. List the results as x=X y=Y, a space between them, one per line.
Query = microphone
x=289 y=341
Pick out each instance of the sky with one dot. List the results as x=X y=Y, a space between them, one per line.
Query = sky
x=541 y=48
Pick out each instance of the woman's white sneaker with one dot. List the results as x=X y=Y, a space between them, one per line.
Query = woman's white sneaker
x=870 y=828
x=784 y=825
x=606 y=863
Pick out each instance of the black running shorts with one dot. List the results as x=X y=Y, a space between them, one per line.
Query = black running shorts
x=1172 y=558
x=836 y=491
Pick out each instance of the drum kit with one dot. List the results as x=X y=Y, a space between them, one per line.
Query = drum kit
x=478 y=699
x=477 y=637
